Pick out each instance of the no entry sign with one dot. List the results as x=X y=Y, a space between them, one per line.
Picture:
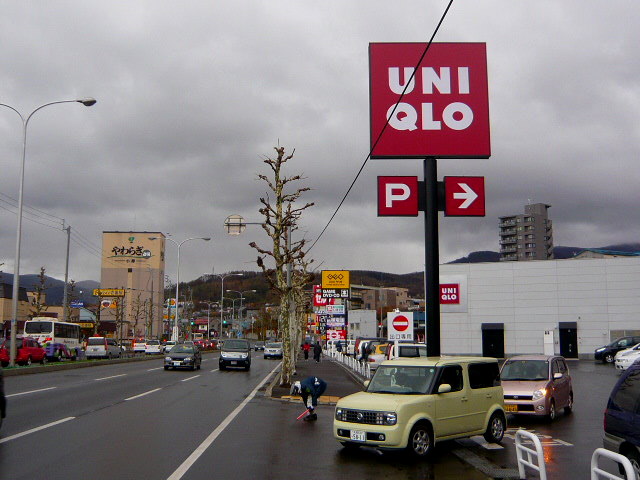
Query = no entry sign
x=400 y=326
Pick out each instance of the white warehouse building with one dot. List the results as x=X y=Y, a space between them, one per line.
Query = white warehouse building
x=568 y=307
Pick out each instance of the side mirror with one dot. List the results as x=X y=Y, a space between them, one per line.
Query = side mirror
x=366 y=383
x=444 y=388
x=557 y=375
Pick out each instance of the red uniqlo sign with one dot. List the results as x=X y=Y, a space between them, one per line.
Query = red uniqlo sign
x=449 y=293
x=445 y=110
x=397 y=196
x=464 y=197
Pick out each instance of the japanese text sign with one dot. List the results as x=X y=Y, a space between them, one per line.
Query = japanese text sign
x=400 y=326
x=445 y=110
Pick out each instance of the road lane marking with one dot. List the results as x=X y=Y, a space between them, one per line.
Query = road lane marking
x=37 y=429
x=30 y=391
x=152 y=369
x=112 y=376
x=190 y=378
x=197 y=453
x=215 y=370
x=142 y=394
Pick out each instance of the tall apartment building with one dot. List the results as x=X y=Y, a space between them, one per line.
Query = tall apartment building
x=527 y=236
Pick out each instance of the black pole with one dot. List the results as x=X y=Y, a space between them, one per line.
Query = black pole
x=432 y=257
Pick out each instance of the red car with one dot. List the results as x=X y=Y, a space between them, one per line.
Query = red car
x=28 y=350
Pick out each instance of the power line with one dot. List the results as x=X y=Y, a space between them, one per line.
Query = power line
x=424 y=53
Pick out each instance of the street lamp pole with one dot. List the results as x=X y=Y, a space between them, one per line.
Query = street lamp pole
x=16 y=269
x=222 y=277
x=241 y=299
x=174 y=332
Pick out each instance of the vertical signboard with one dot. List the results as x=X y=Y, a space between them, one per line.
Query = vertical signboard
x=445 y=110
x=400 y=326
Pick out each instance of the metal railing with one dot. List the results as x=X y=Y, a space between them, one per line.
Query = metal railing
x=361 y=368
x=521 y=449
x=597 y=472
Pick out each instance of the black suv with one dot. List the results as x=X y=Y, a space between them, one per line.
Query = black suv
x=622 y=418
x=608 y=352
x=236 y=352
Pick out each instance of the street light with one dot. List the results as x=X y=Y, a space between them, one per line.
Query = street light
x=222 y=277
x=241 y=298
x=174 y=332
x=87 y=102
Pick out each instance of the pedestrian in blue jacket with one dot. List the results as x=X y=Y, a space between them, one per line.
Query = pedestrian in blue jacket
x=310 y=389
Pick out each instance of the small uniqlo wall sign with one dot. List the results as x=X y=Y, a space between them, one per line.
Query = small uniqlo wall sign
x=445 y=110
x=400 y=326
x=464 y=197
x=397 y=196
x=449 y=293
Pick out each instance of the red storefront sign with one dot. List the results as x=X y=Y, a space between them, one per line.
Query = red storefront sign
x=449 y=293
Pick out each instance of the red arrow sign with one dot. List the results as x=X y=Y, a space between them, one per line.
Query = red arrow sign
x=464 y=197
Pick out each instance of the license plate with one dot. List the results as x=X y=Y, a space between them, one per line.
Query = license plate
x=176 y=364
x=510 y=408
x=233 y=362
x=358 y=435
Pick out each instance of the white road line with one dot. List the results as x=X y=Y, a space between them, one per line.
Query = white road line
x=215 y=370
x=197 y=453
x=30 y=391
x=142 y=394
x=37 y=429
x=112 y=376
x=152 y=369
x=190 y=378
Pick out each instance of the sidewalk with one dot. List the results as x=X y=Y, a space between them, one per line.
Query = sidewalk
x=340 y=381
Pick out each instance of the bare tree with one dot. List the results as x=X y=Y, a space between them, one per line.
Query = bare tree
x=138 y=312
x=38 y=304
x=280 y=222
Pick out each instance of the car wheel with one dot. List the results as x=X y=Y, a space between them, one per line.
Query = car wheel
x=608 y=358
x=198 y=367
x=166 y=368
x=59 y=356
x=495 y=428
x=551 y=415
x=5 y=364
x=109 y=356
x=246 y=369
x=569 y=408
x=28 y=362
x=634 y=458
x=222 y=367
x=420 y=442
x=44 y=360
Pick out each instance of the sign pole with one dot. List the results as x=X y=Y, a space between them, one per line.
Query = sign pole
x=431 y=256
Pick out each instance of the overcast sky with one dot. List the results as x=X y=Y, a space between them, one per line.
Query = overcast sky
x=193 y=95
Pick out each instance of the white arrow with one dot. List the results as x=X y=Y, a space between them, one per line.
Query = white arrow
x=468 y=195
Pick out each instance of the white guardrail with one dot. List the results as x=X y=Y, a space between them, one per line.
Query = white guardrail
x=521 y=449
x=597 y=473
x=361 y=368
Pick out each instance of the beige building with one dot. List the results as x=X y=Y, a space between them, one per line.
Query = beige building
x=6 y=306
x=133 y=262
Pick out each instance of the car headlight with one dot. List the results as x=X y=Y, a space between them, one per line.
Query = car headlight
x=390 y=418
x=539 y=393
x=600 y=350
x=338 y=414
x=244 y=355
x=188 y=359
x=167 y=359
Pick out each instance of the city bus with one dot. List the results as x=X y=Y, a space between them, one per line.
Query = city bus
x=47 y=330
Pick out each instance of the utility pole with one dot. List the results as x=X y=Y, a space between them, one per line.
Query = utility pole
x=65 y=300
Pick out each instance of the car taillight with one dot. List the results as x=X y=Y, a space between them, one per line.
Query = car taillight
x=371 y=359
x=48 y=339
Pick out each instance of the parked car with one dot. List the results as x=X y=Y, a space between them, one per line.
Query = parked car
x=236 y=352
x=625 y=358
x=622 y=417
x=139 y=345
x=378 y=355
x=357 y=348
x=607 y=353
x=414 y=403
x=28 y=350
x=3 y=400
x=406 y=350
x=258 y=346
x=183 y=356
x=102 y=347
x=168 y=345
x=273 y=350
x=153 y=347
x=537 y=385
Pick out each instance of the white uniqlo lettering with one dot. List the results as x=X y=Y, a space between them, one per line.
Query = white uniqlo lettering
x=396 y=192
x=394 y=80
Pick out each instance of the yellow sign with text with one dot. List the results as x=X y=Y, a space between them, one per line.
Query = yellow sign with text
x=108 y=292
x=335 y=279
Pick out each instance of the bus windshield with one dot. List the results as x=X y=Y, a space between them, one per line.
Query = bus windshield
x=38 y=327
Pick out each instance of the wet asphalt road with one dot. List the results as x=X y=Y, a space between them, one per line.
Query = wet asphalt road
x=138 y=421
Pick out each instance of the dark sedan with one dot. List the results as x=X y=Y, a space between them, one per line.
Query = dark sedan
x=183 y=356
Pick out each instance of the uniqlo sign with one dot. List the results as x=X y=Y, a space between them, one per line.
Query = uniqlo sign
x=464 y=197
x=445 y=110
x=397 y=196
x=449 y=293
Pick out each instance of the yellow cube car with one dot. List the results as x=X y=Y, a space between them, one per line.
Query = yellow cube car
x=414 y=403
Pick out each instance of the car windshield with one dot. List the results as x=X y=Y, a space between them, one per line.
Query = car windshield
x=274 y=345
x=402 y=380
x=153 y=342
x=525 y=370
x=182 y=349
x=235 y=345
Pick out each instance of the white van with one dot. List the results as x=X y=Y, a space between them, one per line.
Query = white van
x=102 y=347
